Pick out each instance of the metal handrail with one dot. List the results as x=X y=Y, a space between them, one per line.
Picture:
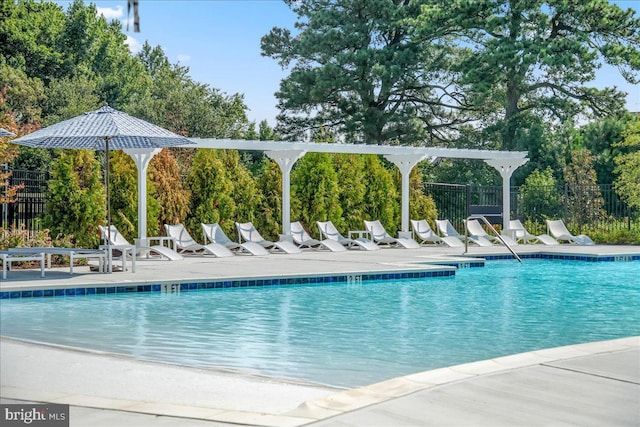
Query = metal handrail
x=466 y=235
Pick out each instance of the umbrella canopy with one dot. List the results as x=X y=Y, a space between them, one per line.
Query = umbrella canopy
x=103 y=129
x=91 y=130
x=4 y=132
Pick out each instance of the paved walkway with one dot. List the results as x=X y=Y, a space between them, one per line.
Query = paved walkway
x=595 y=384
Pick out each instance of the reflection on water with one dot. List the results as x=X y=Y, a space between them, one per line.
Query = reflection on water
x=350 y=335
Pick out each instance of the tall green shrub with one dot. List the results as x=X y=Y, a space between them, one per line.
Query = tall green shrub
x=244 y=191
x=584 y=199
x=269 y=183
x=211 y=191
x=314 y=189
x=353 y=188
x=76 y=202
x=169 y=191
x=381 y=196
x=628 y=166
x=540 y=196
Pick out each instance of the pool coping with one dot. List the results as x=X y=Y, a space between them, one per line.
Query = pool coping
x=186 y=285
x=362 y=397
x=341 y=402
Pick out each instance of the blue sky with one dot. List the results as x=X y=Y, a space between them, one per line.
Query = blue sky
x=219 y=40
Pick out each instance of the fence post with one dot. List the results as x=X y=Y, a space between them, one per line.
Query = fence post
x=468 y=203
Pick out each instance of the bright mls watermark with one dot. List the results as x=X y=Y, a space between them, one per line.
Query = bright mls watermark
x=47 y=415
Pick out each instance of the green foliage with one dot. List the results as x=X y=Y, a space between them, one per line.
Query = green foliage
x=244 y=192
x=603 y=138
x=381 y=196
x=584 y=200
x=537 y=56
x=177 y=102
x=211 y=190
x=540 y=196
x=314 y=190
x=353 y=189
x=70 y=97
x=269 y=183
x=617 y=236
x=358 y=69
x=76 y=202
x=627 y=183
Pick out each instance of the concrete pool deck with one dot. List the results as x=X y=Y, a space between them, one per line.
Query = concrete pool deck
x=594 y=383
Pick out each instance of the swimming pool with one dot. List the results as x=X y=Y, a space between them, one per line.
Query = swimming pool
x=350 y=334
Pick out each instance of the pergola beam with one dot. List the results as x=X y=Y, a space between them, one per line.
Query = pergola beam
x=287 y=153
x=311 y=147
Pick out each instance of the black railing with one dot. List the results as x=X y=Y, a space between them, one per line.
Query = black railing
x=588 y=207
x=30 y=205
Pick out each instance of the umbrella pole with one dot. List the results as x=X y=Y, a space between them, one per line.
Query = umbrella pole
x=109 y=254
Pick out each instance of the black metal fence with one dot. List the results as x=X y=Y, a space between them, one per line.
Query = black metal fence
x=590 y=207
x=31 y=200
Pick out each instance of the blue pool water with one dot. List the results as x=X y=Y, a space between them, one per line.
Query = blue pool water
x=350 y=335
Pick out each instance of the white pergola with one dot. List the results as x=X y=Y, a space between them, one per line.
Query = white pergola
x=285 y=154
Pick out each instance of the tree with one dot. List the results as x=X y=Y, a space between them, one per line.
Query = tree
x=381 y=196
x=211 y=190
x=603 y=138
x=30 y=34
x=358 y=69
x=168 y=190
x=540 y=196
x=314 y=190
x=353 y=189
x=269 y=184
x=584 y=200
x=535 y=56
x=177 y=102
x=76 y=200
x=243 y=191
x=628 y=165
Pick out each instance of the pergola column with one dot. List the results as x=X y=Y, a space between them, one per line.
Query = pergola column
x=405 y=163
x=142 y=157
x=506 y=167
x=286 y=159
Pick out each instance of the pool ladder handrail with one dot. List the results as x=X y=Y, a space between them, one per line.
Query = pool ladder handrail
x=480 y=217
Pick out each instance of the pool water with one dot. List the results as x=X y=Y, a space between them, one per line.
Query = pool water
x=350 y=335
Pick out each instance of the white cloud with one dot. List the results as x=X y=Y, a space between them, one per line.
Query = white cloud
x=184 y=58
x=110 y=13
x=134 y=45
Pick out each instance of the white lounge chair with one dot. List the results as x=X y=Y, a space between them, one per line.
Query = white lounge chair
x=183 y=242
x=304 y=240
x=446 y=229
x=522 y=235
x=329 y=231
x=213 y=233
x=560 y=232
x=118 y=241
x=381 y=237
x=248 y=233
x=476 y=231
x=425 y=234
